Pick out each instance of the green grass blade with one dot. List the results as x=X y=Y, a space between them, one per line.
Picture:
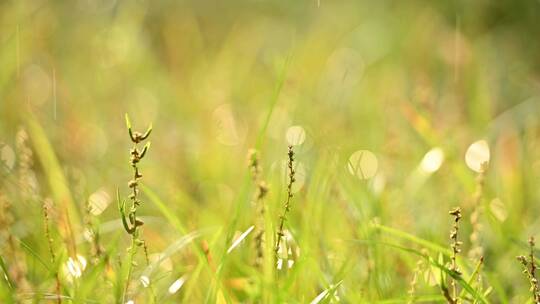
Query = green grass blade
x=417 y=299
x=409 y=237
x=242 y=197
x=459 y=279
x=70 y=223
x=164 y=209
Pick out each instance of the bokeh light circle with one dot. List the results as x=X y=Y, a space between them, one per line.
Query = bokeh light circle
x=433 y=160
x=363 y=164
x=477 y=154
x=296 y=135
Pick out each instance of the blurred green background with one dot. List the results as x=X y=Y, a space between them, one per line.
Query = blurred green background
x=397 y=78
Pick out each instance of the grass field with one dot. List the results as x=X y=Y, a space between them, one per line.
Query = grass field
x=301 y=151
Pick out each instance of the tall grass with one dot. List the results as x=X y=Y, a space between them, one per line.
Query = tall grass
x=129 y=218
x=382 y=113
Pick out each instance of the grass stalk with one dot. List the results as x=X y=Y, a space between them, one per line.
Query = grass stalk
x=287 y=206
x=129 y=220
x=529 y=269
x=258 y=201
x=477 y=250
x=455 y=245
x=50 y=245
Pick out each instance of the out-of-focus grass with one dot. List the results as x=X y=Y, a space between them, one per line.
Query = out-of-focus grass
x=394 y=78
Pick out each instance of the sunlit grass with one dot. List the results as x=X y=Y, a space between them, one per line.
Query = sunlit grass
x=395 y=112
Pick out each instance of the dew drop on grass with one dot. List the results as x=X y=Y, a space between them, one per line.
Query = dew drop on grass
x=477 y=154
x=432 y=161
x=7 y=156
x=363 y=164
x=296 y=135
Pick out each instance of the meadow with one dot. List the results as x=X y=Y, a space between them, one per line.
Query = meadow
x=255 y=151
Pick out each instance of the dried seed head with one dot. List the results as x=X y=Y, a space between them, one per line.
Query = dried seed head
x=456 y=212
x=136 y=156
x=254 y=165
x=253 y=157
x=455 y=245
x=290 y=165
x=529 y=269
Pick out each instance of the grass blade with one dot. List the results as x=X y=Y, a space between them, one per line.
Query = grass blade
x=69 y=217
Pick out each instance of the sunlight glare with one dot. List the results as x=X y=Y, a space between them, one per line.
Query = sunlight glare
x=433 y=160
x=296 y=135
x=75 y=267
x=176 y=285
x=240 y=239
x=363 y=164
x=477 y=154
x=99 y=201
x=145 y=281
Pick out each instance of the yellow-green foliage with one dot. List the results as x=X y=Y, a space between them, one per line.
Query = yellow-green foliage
x=395 y=112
